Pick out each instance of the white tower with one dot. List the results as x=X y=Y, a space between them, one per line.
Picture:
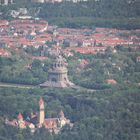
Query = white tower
x=41 y=112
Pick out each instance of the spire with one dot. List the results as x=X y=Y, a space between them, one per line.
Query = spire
x=20 y=117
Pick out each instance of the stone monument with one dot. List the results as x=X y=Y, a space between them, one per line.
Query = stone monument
x=57 y=74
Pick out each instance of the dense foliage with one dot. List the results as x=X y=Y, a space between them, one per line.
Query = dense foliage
x=21 y=70
x=98 y=116
x=110 y=113
x=101 y=13
x=121 y=66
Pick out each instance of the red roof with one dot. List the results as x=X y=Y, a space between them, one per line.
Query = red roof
x=111 y=81
x=83 y=62
x=20 y=117
x=3 y=22
x=51 y=123
x=84 y=50
x=4 y=52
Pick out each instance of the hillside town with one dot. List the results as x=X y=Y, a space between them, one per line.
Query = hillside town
x=69 y=69
x=18 y=34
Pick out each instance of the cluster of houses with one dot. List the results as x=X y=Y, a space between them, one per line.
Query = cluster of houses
x=37 y=120
x=87 y=41
x=17 y=34
x=36 y=33
x=22 y=33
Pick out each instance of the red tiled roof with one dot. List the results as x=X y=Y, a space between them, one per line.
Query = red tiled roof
x=3 y=22
x=84 y=50
x=83 y=62
x=20 y=117
x=111 y=81
x=51 y=123
x=4 y=52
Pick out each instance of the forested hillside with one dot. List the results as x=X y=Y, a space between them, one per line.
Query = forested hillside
x=101 y=13
x=106 y=13
x=96 y=116
x=110 y=113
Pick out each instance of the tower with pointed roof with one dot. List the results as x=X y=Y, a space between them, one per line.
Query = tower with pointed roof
x=41 y=111
x=57 y=74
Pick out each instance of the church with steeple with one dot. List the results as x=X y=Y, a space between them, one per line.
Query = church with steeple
x=38 y=120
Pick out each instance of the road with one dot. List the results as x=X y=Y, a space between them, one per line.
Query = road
x=32 y=86
x=16 y=85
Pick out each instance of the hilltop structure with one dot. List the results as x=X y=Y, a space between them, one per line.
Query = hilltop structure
x=38 y=120
x=58 y=74
x=6 y=2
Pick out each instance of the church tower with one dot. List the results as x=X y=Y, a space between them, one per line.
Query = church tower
x=41 y=111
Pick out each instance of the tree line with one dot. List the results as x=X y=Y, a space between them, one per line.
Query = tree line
x=122 y=14
x=96 y=116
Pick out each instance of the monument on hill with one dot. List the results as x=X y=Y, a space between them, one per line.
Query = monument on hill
x=57 y=74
